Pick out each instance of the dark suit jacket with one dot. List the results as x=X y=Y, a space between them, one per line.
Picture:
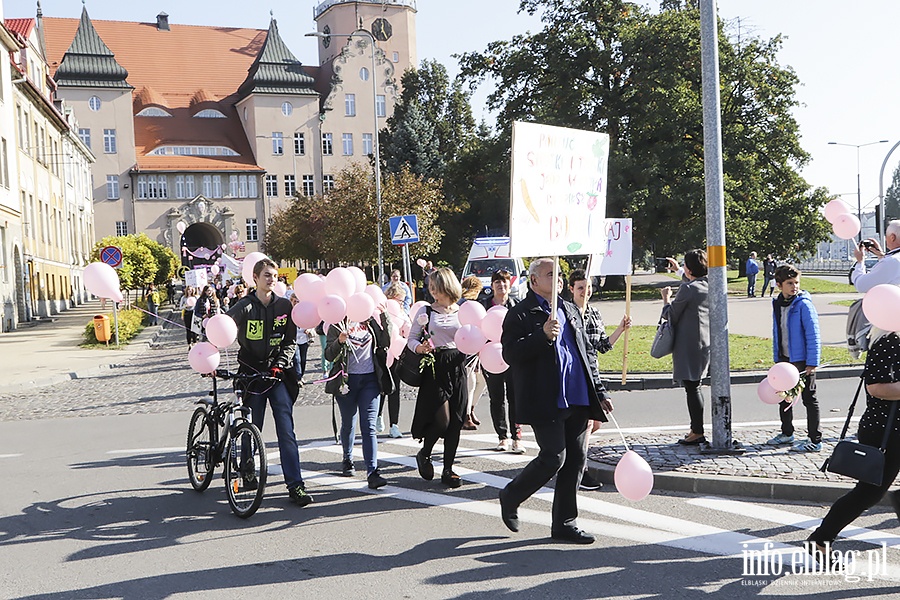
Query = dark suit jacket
x=532 y=362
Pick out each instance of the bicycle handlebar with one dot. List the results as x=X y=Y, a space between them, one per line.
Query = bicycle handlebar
x=240 y=377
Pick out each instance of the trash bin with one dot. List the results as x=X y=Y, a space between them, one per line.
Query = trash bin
x=101 y=328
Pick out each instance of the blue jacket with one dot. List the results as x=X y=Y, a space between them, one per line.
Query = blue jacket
x=752 y=267
x=805 y=344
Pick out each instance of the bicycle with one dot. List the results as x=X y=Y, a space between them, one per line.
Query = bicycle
x=221 y=432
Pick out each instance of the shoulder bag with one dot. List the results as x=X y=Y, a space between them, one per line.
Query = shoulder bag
x=664 y=340
x=860 y=461
x=408 y=369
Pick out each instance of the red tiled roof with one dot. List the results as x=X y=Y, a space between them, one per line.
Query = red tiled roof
x=21 y=26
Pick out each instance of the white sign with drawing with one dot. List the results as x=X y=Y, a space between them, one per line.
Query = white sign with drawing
x=616 y=257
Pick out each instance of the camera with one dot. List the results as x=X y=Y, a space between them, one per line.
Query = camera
x=867 y=244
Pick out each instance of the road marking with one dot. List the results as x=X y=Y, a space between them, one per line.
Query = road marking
x=148 y=450
x=10 y=455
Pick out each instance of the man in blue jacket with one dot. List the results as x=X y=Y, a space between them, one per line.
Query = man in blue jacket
x=795 y=339
x=558 y=389
x=752 y=270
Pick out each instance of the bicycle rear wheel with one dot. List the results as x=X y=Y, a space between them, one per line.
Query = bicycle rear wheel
x=245 y=470
x=200 y=450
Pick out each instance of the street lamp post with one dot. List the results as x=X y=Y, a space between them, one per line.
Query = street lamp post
x=883 y=231
x=858 y=193
x=371 y=37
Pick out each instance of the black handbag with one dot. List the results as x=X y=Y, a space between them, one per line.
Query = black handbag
x=860 y=461
x=409 y=369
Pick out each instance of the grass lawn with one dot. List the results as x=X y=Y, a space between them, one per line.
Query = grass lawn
x=842 y=302
x=746 y=353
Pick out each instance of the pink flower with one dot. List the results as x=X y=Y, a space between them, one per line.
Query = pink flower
x=422 y=319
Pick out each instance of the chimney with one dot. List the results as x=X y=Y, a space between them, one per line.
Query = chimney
x=162 y=21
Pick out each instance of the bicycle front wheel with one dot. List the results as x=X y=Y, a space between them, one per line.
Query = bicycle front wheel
x=245 y=470
x=200 y=449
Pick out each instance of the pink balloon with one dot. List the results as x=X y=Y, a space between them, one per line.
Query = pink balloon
x=377 y=295
x=332 y=309
x=394 y=308
x=846 y=226
x=204 y=358
x=783 y=376
x=279 y=288
x=469 y=339
x=881 y=305
x=633 y=476
x=234 y=236
x=340 y=282
x=204 y=322
x=305 y=315
x=224 y=246
x=190 y=301
x=492 y=358
x=471 y=313
x=421 y=262
x=397 y=346
x=834 y=209
x=247 y=267
x=767 y=393
x=492 y=323
x=415 y=308
x=360 y=307
x=221 y=330
x=311 y=288
x=101 y=280
x=180 y=226
x=359 y=277
x=214 y=269
x=404 y=328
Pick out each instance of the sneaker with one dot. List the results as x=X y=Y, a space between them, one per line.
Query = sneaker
x=781 y=439
x=589 y=482
x=379 y=424
x=451 y=479
x=347 y=468
x=395 y=432
x=807 y=445
x=299 y=496
x=517 y=448
x=376 y=480
x=250 y=482
x=503 y=446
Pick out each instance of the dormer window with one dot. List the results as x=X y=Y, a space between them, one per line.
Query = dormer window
x=210 y=113
x=193 y=151
x=153 y=111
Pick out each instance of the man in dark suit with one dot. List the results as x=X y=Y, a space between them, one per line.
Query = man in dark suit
x=558 y=390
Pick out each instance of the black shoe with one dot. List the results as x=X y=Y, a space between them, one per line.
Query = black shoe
x=508 y=514
x=347 y=468
x=451 y=479
x=572 y=535
x=250 y=482
x=589 y=482
x=423 y=462
x=376 y=480
x=299 y=496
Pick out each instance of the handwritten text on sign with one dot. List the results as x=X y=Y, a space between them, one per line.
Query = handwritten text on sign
x=558 y=195
x=616 y=256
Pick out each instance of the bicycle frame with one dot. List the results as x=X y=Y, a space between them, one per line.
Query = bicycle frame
x=226 y=415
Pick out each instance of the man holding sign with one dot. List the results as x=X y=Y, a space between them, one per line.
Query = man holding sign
x=552 y=363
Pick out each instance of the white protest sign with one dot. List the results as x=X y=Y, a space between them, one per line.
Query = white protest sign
x=196 y=278
x=616 y=257
x=558 y=191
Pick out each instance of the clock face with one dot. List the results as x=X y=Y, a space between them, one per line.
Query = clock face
x=326 y=41
x=382 y=30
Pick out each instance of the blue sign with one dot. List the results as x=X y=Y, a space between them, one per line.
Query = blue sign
x=404 y=230
x=112 y=256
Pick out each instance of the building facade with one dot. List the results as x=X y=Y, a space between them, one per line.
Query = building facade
x=12 y=288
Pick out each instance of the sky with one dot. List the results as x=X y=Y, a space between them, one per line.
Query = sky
x=841 y=52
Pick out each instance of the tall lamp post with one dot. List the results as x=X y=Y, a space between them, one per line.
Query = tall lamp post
x=883 y=231
x=858 y=193
x=371 y=37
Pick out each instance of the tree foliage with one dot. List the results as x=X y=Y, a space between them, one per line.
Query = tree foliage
x=613 y=66
x=339 y=226
x=144 y=261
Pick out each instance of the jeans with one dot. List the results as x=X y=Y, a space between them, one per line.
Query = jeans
x=154 y=312
x=361 y=398
x=810 y=402
x=300 y=360
x=694 y=404
x=562 y=453
x=283 y=413
x=326 y=364
x=500 y=391
x=751 y=285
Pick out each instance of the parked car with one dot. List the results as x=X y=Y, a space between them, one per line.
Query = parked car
x=489 y=255
x=870 y=262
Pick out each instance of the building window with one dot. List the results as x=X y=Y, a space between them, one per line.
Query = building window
x=368 y=147
x=152 y=186
x=94 y=103
x=217 y=186
x=109 y=141
x=277 y=143
x=271 y=186
x=112 y=187
x=299 y=144
x=287 y=109
x=153 y=111
x=233 y=186
x=380 y=106
x=328 y=183
x=290 y=186
x=396 y=57
x=121 y=228
x=189 y=186
x=4 y=164
x=349 y=105
x=309 y=187
x=364 y=74
x=207 y=186
x=85 y=136
x=347 y=144
x=179 y=186
x=211 y=113
x=251 y=186
x=327 y=144
x=252 y=230
x=242 y=186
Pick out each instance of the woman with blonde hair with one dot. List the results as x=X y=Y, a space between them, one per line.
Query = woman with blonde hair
x=442 y=400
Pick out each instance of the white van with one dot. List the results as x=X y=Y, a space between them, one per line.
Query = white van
x=489 y=255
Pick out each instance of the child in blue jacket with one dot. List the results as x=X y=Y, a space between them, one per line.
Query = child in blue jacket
x=795 y=339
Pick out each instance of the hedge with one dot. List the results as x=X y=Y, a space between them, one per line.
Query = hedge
x=130 y=324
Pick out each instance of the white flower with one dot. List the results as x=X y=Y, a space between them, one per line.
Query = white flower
x=344 y=390
x=422 y=319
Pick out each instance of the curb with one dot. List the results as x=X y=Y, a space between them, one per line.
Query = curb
x=647 y=381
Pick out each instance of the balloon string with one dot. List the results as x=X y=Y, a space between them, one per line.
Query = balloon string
x=616 y=423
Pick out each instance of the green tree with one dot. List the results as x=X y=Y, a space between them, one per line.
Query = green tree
x=139 y=266
x=613 y=66
x=892 y=198
x=166 y=261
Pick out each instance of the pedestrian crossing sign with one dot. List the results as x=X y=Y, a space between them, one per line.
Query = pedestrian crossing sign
x=404 y=230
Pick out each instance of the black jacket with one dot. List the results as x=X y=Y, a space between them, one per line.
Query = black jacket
x=267 y=334
x=532 y=362
x=381 y=340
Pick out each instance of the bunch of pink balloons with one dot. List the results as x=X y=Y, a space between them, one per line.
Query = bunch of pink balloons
x=101 y=280
x=843 y=222
x=342 y=293
x=480 y=334
x=781 y=377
